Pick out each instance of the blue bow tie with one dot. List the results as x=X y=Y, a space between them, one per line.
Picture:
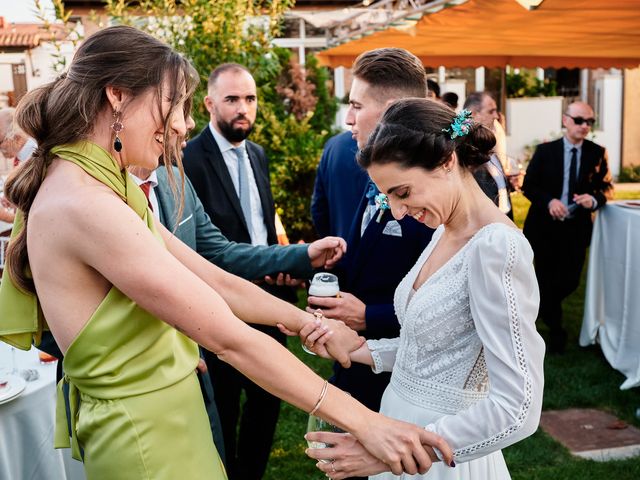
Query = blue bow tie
x=372 y=191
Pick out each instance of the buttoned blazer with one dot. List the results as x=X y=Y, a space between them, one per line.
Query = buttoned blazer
x=209 y=175
x=543 y=182
x=205 y=167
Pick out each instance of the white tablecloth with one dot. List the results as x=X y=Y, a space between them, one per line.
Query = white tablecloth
x=612 y=302
x=27 y=426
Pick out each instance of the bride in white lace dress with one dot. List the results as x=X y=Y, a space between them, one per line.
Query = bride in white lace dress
x=468 y=364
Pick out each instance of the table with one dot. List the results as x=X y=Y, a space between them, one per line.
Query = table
x=27 y=426
x=612 y=300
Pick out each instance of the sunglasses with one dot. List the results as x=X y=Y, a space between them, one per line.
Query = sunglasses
x=581 y=120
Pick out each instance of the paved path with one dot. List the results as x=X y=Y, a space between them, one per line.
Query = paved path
x=592 y=434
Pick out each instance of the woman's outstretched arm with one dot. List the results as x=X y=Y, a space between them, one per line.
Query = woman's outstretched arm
x=120 y=247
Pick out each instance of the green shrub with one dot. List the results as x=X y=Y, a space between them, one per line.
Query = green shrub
x=629 y=174
x=525 y=84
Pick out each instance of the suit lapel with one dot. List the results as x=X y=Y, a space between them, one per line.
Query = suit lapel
x=586 y=165
x=216 y=161
x=165 y=202
x=371 y=237
x=558 y=176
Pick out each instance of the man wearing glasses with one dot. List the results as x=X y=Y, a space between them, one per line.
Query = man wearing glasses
x=566 y=180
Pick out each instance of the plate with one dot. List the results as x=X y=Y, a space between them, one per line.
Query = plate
x=629 y=203
x=15 y=386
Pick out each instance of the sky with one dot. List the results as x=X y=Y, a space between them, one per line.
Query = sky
x=20 y=11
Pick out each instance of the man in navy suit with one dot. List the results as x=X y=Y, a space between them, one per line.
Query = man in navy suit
x=380 y=249
x=566 y=181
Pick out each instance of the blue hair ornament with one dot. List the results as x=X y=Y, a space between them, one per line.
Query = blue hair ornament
x=382 y=204
x=460 y=126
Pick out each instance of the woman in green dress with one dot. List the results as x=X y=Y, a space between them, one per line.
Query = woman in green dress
x=125 y=300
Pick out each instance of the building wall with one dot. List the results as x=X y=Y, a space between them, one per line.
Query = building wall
x=631 y=118
x=38 y=64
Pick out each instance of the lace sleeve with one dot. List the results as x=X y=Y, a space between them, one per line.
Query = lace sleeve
x=383 y=352
x=504 y=299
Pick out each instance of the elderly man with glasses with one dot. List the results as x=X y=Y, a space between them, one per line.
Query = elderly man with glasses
x=566 y=180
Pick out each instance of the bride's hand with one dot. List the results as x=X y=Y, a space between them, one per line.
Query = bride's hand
x=328 y=338
x=313 y=335
x=404 y=447
x=331 y=339
x=346 y=457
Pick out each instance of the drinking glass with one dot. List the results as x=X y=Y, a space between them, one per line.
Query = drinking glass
x=317 y=424
x=14 y=370
x=514 y=170
x=45 y=358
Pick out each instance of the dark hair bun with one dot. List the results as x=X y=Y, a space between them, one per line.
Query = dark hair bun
x=475 y=148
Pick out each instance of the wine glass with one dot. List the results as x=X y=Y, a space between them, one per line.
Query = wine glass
x=14 y=370
x=514 y=170
x=46 y=358
x=317 y=424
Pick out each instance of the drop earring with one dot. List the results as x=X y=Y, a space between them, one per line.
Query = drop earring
x=117 y=127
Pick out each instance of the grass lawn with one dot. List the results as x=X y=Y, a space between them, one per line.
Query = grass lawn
x=579 y=378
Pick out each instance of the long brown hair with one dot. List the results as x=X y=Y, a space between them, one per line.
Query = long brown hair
x=64 y=111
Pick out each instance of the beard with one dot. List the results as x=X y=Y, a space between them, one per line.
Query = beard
x=234 y=134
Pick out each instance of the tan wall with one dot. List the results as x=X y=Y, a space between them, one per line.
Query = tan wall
x=631 y=118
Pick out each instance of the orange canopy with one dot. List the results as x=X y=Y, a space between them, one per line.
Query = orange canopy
x=496 y=33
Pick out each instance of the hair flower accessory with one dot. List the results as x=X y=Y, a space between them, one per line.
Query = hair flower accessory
x=382 y=204
x=460 y=126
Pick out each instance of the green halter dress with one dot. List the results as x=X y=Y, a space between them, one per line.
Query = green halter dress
x=136 y=409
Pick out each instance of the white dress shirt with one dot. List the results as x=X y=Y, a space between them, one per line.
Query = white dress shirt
x=257 y=227
x=153 y=199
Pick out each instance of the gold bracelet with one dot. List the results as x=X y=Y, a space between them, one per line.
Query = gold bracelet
x=321 y=398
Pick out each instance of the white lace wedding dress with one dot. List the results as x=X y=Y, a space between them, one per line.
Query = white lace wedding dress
x=468 y=364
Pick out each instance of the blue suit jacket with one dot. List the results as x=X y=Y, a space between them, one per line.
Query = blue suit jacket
x=371 y=270
x=338 y=187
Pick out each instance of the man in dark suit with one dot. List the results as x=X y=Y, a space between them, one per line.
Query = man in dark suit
x=380 y=250
x=231 y=177
x=566 y=180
